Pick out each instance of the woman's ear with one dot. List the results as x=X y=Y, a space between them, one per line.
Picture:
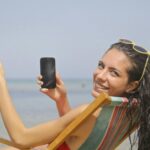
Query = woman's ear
x=132 y=86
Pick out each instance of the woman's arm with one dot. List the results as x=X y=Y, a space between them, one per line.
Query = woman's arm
x=29 y=137
x=58 y=94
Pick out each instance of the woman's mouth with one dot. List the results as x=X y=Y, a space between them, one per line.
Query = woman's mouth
x=100 y=88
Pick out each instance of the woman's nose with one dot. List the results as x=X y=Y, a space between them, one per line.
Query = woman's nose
x=102 y=74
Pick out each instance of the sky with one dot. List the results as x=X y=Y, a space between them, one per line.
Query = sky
x=76 y=33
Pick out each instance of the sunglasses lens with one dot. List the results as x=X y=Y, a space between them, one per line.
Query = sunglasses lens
x=139 y=48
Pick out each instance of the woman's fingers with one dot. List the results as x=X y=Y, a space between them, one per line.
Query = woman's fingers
x=39 y=77
x=44 y=90
x=39 y=80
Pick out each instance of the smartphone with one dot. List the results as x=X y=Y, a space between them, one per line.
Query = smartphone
x=48 y=72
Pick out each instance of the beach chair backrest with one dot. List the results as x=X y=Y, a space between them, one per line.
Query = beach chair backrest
x=112 y=126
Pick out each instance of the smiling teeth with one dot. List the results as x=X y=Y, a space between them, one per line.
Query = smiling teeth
x=98 y=86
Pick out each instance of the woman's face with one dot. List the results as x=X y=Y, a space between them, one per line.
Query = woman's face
x=111 y=74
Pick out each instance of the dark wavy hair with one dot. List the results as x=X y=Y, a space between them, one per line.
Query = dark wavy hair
x=142 y=93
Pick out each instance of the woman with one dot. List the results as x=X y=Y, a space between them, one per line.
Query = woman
x=122 y=71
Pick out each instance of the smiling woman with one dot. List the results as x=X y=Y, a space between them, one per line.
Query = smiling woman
x=119 y=73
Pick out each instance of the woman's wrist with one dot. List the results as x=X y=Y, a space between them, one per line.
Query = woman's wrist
x=63 y=106
x=61 y=101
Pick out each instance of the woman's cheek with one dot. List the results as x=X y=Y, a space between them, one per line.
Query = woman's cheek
x=95 y=73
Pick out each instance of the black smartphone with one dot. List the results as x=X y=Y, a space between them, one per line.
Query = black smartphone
x=47 y=70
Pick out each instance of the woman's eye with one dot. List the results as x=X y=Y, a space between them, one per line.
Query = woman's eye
x=100 y=65
x=114 y=73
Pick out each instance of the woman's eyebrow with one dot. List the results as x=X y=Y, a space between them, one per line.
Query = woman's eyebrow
x=100 y=61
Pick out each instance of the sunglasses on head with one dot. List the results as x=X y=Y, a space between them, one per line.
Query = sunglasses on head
x=137 y=48
x=140 y=50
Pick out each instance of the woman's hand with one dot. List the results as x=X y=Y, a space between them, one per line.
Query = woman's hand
x=58 y=93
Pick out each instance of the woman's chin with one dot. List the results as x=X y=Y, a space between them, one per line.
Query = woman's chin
x=95 y=94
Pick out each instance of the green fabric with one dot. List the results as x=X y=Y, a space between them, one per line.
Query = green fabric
x=99 y=130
